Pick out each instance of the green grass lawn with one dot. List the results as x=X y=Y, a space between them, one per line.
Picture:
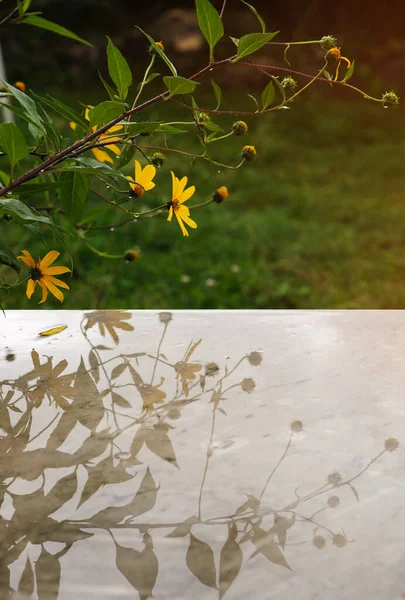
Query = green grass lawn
x=316 y=221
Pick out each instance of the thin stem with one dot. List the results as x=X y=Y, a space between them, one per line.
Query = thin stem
x=10 y=16
x=209 y=451
x=202 y=204
x=276 y=467
x=308 y=84
x=221 y=14
x=158 y=353
x=99 y=253
x=152 y=60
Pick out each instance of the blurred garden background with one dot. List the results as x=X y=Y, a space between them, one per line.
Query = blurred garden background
x=317 y=220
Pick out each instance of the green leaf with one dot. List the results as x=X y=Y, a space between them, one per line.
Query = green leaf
x=349 y=73
x=73 y=194
x=8 y=258
x=179 y=85
x=23 y=6
x=151 y=77
x=159 y=51
x=62 y=109
x=169 y=129
x=28 y=107
x=90 y=166
x=268 y=95
x=251 y=42
x=217 y=92
x=142 y=127
x=255 y=101
x=110 y=91
x=13 y=142
x=211 y=126
x=210 y=24
x=118 y=69
x=279 y=86
x=127 y=154
x=31 y=189
x=17 y=209
x=32 y=19
x=259 y=18
x=105 y=112
x=327 y=74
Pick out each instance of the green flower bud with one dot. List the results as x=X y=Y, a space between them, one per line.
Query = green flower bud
x=157 y=159
x=390 y=99
x=289 y=83
x=328 y=42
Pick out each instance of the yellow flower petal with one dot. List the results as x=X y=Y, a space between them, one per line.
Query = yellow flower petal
x=169 y=218
x=147 y=175
x=114 y=149
x=56 y=281
x=115 y=128
x=27 y=258
x=138 y=170
x=86 y=113
x=44 y=292
x=182 y=185
x=48 y=259
x=175 y=183
x=101 y=155
x=186 y=195
x=183 y=229
x=30 y=288
x=55 y=270
x=53 y=289
x=72 y=125
x=189 y=221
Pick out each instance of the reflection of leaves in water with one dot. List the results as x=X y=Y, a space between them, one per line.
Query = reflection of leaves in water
x=102 y=474
x=144 y=500
x=120 y=401
x=110 y=320
x=200 y=561
x=139 y=568
x=29 y=465
x=184 y=528
x=230 y=560
x=26 y=585
x=47 y=571
x=158 y=442
x=49 y=530
x=281 y=524
x=266 y=545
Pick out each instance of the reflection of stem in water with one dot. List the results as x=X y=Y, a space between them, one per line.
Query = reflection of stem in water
x=209 y=454
x=96 y=352
x=44 y=429
x=310 y=520
x=158 y=352
x=276 y=467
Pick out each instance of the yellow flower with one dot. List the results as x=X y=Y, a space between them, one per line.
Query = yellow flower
x=335 y=54
x=102 y=155
x=143 y=179
x=176 y=205
x=160 y=45
x=41 y=272
x=20 y=85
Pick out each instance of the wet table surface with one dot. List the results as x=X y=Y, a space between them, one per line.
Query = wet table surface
x=202 y=455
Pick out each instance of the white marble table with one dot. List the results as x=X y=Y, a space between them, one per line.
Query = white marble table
x=202 y=455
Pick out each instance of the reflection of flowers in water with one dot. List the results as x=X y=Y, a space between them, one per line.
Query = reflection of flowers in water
x=211 y=369
x=391 y=444
x=248 y=385
x=335 y=479
x=110 y=320
x=255 y=358
x=50 y=382
x=165 y=317
x=151 y=394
